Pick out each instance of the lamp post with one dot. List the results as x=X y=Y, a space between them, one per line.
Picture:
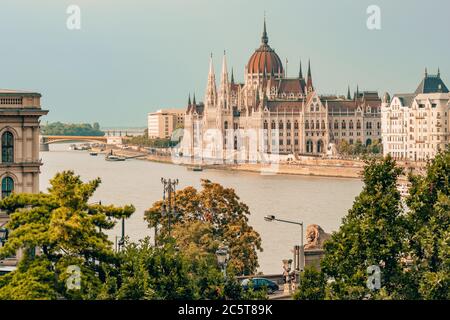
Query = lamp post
x=271 y=218
x=3 y=235
x=169 y=186
x=222 y=258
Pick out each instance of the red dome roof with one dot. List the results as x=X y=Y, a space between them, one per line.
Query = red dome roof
x=265 y=58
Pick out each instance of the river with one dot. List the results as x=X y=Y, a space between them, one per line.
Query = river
x=313 y=200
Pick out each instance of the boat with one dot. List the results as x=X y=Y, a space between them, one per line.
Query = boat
x=195 y=168
x=93 y=153
x=111 y=157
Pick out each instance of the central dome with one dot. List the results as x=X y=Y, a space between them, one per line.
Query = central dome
x=264 y=59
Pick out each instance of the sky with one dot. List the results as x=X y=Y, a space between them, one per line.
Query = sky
x=136 y=56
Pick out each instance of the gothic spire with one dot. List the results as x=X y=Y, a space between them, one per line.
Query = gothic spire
x=309 y=83
x=300 y=73
x=193 y=100
x=189 y=99
x=349 y=97
x=264 y=38
x=232 y=76
x=211 y=91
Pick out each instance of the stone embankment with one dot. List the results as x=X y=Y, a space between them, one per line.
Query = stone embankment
x=305 y=166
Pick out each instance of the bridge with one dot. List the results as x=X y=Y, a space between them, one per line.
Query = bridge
x=45 y=141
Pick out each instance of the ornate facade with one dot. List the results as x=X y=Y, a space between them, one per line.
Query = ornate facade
x=271 y=114
x=416 y=125
x=19 y=133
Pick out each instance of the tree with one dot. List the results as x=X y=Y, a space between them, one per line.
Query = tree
x=429 y=228
x=311 y=286
x=68 y=232
x=372 y=233
x=220 y=216
x=168 y=272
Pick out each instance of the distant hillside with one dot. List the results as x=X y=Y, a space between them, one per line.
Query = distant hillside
x=71 y=129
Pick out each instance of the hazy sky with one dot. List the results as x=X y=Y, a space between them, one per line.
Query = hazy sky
x=135 y=56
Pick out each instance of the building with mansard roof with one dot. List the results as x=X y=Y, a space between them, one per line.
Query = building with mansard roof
x=416 y=125
x=272 y=114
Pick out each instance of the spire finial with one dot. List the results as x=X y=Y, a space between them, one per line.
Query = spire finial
x=300 y=73
x=265 y=38
x=349 y=97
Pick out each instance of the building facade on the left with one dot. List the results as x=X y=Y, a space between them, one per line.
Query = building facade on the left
x=19 y=134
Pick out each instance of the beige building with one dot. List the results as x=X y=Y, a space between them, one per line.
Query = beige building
x=19 y=133
x=272 y=114
x=162 y=123
x=416 y=125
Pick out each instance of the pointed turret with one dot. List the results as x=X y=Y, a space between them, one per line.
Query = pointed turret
x=232 y=76
x=264 y=38
x=309 y=83
x=439 y=73
x=349 y=96
x=211 y=91
x=300 y=72
x=194 y=103
x=189 y=100
x=224 y=85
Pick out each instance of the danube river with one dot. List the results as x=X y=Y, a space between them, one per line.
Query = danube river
x=313 y=200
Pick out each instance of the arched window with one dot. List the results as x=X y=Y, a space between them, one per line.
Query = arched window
x=225 y=125
x=317 y=124
x=312 y=124
x=358 y=124
x=288 y=125
x=280 y=125
x=336 y=124
x=323 y=124
x=7 y=147
x=7 y=186
x=309 y=146
x=319 y=146
x=369 y=125
x=296 y=124
x=306 y=124
x=378 y=125
x=266 y=125
x=344 y=126
x=350 y=125
x=368 y=142
x=272 y=125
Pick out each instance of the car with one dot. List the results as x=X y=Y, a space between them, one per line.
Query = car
x=260 y=284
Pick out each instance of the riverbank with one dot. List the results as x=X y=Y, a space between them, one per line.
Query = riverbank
x=304 y=166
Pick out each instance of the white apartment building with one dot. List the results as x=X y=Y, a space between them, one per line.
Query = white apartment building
x=162 y=123
x=416 y=125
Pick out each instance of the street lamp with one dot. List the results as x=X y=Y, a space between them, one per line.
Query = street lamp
x=222 y=258
x=3 y=235
x=270 y=218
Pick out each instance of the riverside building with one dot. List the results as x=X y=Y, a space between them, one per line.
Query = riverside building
x=271 y=114
x=416 y=125
x=19 y=133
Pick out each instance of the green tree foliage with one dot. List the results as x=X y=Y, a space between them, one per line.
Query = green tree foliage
x=312 y=285
x=67 y=230
x=145 y=141
x=71 y=129
x=372 y=233
x=209 y=217
x=358 y=149
x=167 y=272
x=429 y=228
